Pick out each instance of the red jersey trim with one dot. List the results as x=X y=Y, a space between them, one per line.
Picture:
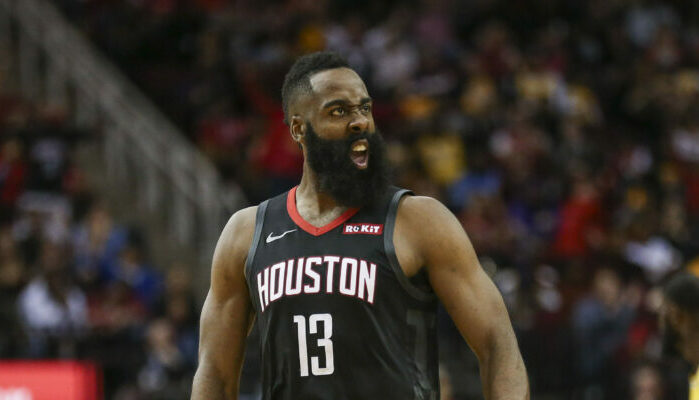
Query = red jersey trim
x=303 y=224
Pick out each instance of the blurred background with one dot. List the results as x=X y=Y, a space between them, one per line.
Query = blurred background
x=564 y=135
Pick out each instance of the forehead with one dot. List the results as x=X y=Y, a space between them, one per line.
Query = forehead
x=338 y=83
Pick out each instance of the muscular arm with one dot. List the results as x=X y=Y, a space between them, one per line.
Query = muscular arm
x=227 y=314
x=428 y=234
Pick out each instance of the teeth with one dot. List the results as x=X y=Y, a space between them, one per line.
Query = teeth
x=359 y=147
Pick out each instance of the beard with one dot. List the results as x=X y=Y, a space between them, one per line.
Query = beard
x=339 y=177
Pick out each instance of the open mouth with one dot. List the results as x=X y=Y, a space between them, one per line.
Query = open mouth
x=359 y=153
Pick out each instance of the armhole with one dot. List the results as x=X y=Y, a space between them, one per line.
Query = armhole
x=259 y=220
x=390 y=250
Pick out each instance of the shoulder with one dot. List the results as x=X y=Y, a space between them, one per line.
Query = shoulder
x=421 y=203
x=242 y=220
x=424 y=229
x=236 y=239
x=423 y=212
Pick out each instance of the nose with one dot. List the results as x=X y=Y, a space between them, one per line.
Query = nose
x=359 y=124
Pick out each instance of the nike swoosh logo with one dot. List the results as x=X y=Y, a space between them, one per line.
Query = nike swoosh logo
x=271 y=238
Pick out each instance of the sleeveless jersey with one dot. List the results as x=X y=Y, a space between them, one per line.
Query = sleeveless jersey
x=338 y=318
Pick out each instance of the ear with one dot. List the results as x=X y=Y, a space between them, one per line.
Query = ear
x=297 y=128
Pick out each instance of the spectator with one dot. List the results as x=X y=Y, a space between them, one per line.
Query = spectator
x=13 y=172
x=13 y=276
x=601 y=322
x=53 y=309
x=97 y=242
x=561 y=133
x=165 y=374
x=647 y=383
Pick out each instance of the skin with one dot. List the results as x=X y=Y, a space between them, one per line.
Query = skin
x=227 y=315
x=427 y=236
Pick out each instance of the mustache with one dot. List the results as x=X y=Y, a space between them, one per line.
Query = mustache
x=347 y=142
x=337 y=174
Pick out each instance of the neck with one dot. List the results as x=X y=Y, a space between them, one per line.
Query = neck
x=312 y=204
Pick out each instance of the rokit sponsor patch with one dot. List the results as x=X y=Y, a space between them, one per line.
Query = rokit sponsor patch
x=366 y=229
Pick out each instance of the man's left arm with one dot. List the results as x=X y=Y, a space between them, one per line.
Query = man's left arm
x=430 y=235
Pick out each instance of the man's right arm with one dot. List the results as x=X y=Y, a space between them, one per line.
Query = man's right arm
x=227 y=314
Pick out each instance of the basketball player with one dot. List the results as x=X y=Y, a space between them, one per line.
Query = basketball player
x=680 y=323
x=343 y=272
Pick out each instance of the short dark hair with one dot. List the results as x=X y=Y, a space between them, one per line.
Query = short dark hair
x=297 y=80
x=683 y=290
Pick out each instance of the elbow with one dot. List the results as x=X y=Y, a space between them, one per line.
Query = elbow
x=503 y=372
x=209 y=383
x=495 y=342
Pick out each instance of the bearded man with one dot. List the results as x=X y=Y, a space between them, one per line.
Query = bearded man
x=343 y=272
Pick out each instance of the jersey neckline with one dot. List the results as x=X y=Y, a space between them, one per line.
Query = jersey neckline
x=305 y=225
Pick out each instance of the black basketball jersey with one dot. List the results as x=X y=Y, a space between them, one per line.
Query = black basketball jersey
x=338 y=318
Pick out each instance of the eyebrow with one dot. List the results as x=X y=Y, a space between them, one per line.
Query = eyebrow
x=343 y=102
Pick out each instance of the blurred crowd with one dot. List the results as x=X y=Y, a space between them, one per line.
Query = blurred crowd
x=74 y=282
x=563 y=134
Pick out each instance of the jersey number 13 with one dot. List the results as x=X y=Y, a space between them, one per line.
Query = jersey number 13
x=324 y=341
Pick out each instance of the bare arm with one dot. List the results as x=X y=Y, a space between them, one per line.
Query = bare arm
x=227 y=314
x=431 y=236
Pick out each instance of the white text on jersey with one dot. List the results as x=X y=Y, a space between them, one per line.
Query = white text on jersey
x=296 y=276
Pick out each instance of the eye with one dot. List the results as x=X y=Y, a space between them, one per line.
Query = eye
x=366 y=108
x=337 y=112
